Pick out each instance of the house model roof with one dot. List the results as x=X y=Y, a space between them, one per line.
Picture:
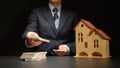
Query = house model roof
x=93 y=28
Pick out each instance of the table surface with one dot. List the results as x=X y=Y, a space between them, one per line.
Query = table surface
x=59 y=62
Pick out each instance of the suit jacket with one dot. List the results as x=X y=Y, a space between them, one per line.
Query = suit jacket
x=41 y=22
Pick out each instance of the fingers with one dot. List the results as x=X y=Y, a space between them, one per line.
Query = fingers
x=62 y=47
x=33 y=41
x=61 y=53
x=31 y=34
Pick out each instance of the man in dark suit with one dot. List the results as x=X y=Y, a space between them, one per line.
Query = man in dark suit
x=42 y=23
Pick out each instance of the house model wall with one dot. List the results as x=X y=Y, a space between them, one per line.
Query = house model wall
x=90 y=41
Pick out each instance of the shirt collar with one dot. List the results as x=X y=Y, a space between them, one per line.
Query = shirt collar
x=51 y=7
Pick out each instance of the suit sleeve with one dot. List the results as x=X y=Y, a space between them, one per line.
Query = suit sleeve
x=31 y=24
x=72 y=45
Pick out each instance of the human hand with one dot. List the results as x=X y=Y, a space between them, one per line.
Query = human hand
x=31 y=40
x=62 y=50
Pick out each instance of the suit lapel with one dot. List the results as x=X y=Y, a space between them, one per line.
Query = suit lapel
x=63 y=19
x=48 y=15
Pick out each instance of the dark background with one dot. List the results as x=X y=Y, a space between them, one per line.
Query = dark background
x=14 y=14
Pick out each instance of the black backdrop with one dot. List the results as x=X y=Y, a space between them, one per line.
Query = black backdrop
x=14 y=14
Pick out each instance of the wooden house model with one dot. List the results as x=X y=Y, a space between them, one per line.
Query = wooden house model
x=90 y=41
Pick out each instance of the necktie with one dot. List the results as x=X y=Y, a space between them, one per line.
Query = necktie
x=56 y=18
x=55 y=10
